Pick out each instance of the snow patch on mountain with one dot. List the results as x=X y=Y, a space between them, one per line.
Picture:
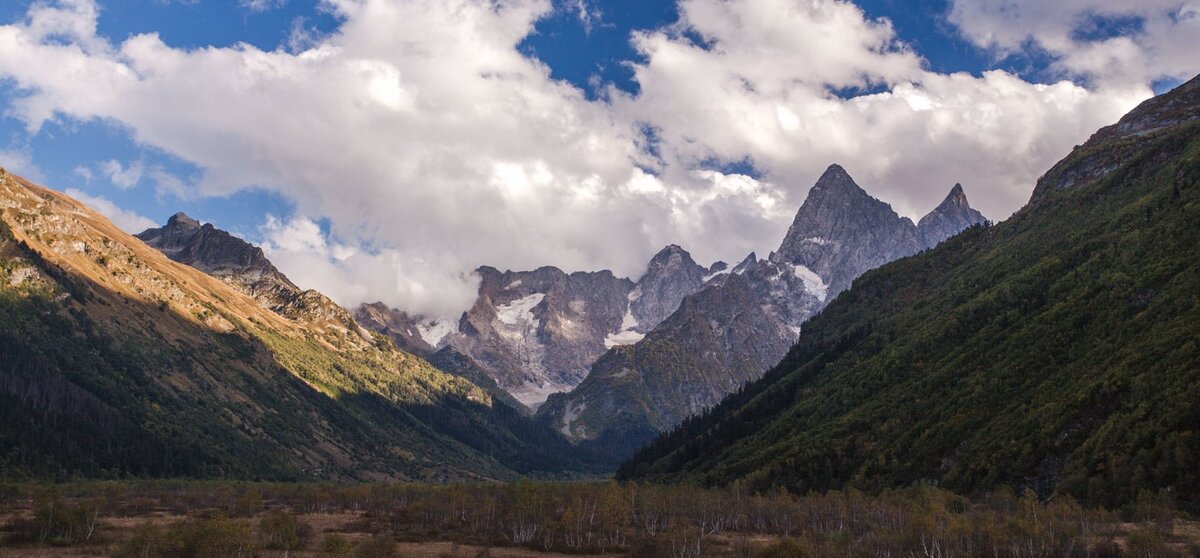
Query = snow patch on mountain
x=434 y=331
x=812 y=281
x=715 y=274
x=520 y=311
x=622 y=338
x=533 y=394
x=626 y=335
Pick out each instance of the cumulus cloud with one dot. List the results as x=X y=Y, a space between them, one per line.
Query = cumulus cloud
x=759 y=80
x=432 y=145
x=84 y=172
x=126 y=220
x=20 y=161
x=344 y=272
x=1109 y=41
x=122 y=176
x=589 y=16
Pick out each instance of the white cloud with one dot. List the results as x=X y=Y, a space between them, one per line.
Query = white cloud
x=20 y=161
x=748 y=90
x=121 y=176
x=345 y=273
x=419 y=130
x=589 y=16
x=1161 y=40
x=83 y=172
x=261 y=5
x=302 y=36
x=127 y=221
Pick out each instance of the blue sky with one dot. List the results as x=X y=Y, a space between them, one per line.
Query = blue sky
x=687 y=161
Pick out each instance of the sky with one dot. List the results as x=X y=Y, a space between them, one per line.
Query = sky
x=383 y=149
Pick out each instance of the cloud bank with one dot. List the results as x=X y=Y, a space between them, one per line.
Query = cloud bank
x=127 y=221
x=430 y=144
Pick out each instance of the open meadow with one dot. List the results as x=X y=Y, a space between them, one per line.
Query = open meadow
x=219 y=519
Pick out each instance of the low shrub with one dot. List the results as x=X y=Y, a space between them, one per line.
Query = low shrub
x=280 y=530
x=379 y=546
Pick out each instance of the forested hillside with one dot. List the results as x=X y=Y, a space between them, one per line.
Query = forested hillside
x=1058 y=350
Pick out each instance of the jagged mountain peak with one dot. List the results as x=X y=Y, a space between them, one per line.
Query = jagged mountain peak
x=745 y=264
x=671 y=255
x=182 y=219
x=949 y=218
x=741 y=321
x=836 y=181
x=956 y=196
x=841 y=231
x=671 y=275
x=245 y=267
x=212 y=250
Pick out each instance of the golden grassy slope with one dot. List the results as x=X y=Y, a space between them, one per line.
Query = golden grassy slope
x=135 y=292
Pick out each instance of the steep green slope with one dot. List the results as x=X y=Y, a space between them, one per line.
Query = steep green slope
x=116 y=361
x=1058 y=350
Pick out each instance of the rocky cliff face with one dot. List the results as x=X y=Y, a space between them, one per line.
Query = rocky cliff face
x=671 y=275
x=951 y=217
x=743 y=321
x=404 y=330
x=841 y=231
x=539 y=332
x=221 y=255
x=718 y=339
x=244 y=267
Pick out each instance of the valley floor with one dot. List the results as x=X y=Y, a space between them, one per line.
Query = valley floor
x=193 y=518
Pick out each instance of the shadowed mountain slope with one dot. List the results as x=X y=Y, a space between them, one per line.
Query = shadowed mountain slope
x=1056 y=350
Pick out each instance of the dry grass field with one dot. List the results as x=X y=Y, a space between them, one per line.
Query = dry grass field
x=183 y=519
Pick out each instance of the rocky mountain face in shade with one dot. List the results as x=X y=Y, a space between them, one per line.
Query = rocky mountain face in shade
x=221 y=255
x=671 y=275
x=744 y=320
x=414 y=335
x=450 y=360
x=951 y=217
x=403 y=329
x=718 y=339
x=244 y=267
x=841 y=231
x=539 y=332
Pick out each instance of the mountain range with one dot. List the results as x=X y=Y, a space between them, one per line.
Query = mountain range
x=534 y=334
x=1055 y=351
x=743 y=320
